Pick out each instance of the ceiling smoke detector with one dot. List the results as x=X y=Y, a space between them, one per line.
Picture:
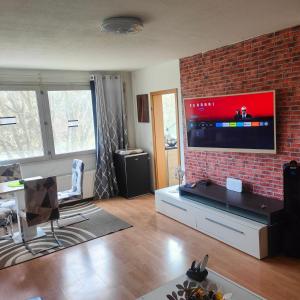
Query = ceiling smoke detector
x=122 y=25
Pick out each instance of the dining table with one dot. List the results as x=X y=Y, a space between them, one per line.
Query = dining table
x=24 y=232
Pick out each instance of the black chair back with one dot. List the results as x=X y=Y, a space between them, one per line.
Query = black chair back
x=41 y=200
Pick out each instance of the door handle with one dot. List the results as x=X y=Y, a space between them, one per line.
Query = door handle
x=224 y=225
x=179 y=207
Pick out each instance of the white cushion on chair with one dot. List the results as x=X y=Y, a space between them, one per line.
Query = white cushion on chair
x=75 y=193
x=68 y=194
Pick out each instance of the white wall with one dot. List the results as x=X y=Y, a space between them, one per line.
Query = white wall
x=156 y=78
x=62 y=166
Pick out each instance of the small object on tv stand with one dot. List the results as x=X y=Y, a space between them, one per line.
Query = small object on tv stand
x=198 y=271
x=205 y=182
x=233 y=184
x=191 y=185
x=179 y=174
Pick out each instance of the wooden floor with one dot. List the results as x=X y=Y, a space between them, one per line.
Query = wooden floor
x=130 y=263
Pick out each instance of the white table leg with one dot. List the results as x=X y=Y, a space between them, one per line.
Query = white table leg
x=19 y=195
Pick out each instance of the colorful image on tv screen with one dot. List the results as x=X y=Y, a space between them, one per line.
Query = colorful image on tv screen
x=244 y=121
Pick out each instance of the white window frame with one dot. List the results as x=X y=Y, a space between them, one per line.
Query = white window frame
x=45 y=120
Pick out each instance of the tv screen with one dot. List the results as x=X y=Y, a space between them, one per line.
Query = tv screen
x=240 y=123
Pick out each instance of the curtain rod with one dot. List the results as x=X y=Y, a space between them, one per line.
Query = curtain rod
x=92 y=77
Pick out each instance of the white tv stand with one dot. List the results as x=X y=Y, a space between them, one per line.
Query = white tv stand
x=239 y=232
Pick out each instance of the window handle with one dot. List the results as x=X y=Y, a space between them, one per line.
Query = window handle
x=8 y=120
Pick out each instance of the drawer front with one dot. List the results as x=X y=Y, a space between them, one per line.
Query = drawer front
x=177 y=211
x=227 y=230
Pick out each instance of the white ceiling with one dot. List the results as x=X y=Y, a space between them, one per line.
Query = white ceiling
x=64 y=34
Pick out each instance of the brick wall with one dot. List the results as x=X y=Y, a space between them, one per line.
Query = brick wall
x=268 y=62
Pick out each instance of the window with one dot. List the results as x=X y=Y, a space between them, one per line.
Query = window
x=20 y=129
x=169 y=116
x=72 y=121
x=41 y=125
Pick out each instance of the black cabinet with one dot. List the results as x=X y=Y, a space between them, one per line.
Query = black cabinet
x=291 y=232
x=133 y=174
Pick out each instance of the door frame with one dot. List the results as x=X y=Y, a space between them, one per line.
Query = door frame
x=152 y=94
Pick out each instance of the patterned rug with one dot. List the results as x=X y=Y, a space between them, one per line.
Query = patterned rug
x=100 y=223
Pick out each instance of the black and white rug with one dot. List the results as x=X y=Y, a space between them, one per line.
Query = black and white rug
x=100 y=223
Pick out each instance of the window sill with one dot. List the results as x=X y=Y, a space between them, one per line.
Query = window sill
x=47 y=158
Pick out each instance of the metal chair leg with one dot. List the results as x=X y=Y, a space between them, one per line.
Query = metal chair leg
x=8 y=223
x=84 y=218
x=58 y=243
x=54 y=235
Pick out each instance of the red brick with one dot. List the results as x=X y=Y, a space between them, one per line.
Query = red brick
x=267 y=62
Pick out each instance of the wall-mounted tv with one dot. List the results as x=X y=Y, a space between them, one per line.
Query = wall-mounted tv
x=238 y=123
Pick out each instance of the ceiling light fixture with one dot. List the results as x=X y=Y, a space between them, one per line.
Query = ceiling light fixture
x=122 y=25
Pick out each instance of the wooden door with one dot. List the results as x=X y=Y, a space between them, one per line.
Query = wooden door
x=160 y=163
x=162 y=178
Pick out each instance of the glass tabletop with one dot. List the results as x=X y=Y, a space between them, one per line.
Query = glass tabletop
x=13 y=186
x=226 y=285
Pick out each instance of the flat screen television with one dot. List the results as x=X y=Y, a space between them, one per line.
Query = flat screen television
x=238 y=123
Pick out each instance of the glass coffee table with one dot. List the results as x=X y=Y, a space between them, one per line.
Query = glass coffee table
x=227 y=286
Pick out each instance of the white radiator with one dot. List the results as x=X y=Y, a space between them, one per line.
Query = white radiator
x=64 y=183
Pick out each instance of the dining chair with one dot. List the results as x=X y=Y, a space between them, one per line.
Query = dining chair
x=41 y=206
x=9 y=173
x=6 y=223
x=74 y=194
x=76 y=191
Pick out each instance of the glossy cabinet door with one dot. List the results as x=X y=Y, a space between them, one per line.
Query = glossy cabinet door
x=241 y=233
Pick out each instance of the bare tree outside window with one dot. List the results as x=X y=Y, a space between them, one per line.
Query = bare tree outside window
x=72 y=120
x=23 y=139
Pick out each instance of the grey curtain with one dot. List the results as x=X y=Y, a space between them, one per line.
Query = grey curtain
x=110 y=130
